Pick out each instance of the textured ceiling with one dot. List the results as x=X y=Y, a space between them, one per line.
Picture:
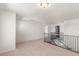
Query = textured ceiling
x=55 y=13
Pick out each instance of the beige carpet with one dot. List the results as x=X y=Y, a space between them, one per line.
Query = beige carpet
x=38 y=48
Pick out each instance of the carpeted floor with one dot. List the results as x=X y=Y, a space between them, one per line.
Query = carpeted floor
x=38 y=48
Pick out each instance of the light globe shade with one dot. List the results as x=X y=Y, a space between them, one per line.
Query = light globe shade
x=44 y=5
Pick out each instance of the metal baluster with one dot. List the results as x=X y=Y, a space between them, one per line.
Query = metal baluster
x=64 y=38
x=77 y=44
x=44 y=36
x=69 y=42
x=65 y=41
x=72 y=42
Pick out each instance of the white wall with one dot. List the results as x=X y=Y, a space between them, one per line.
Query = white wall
x=69 y=27
x=7 y=30
x=28 y=30
x=61 y=27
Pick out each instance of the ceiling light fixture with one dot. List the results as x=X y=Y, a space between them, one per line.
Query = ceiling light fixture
x=44 y=5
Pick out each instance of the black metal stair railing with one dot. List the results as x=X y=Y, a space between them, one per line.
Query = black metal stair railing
x=69 y=42
x=72 y=42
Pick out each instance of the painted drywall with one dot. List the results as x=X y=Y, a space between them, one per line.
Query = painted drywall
x=7 y=31
x=70 y=27
x=28 y=30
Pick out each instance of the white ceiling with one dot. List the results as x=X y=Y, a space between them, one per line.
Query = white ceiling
x=56 y=12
